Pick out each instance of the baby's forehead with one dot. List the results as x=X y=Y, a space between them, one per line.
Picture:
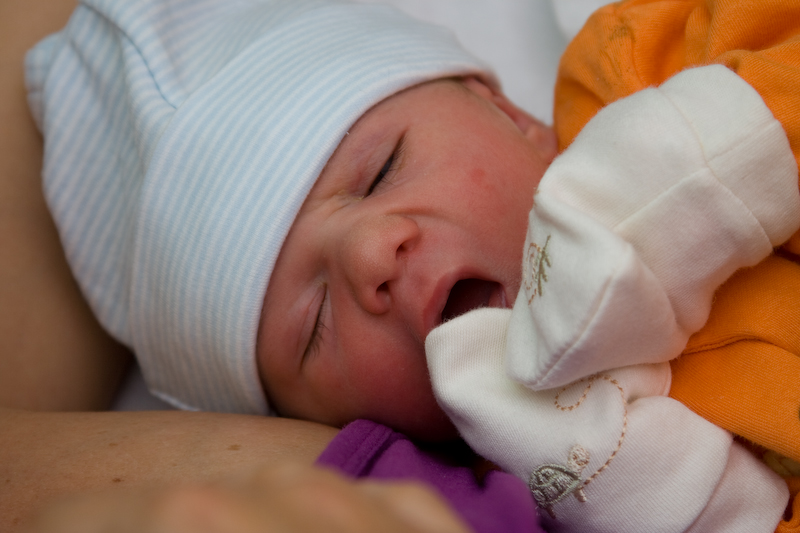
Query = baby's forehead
x=394 y=110
x=429 y=90
x=379 y=120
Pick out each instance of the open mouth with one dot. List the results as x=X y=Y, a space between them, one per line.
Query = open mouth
x=469 y=294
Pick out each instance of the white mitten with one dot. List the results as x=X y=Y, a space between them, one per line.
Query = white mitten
x=661 y=197
x=609 y=453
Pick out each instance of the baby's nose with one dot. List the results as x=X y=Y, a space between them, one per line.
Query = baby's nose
x=374 y=256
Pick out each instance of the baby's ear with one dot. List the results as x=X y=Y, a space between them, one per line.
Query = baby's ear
x=539 y=133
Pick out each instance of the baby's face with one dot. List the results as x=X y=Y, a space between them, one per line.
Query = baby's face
x=419 y=215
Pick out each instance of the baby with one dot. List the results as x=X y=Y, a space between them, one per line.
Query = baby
x=284 y=196
x=190 y=180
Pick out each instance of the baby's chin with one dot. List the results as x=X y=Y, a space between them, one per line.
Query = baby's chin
x=430 y=424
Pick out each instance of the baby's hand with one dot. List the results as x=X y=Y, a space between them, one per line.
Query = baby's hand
x=292 y=498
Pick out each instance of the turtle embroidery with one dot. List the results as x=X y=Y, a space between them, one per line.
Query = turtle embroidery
x=551 y=483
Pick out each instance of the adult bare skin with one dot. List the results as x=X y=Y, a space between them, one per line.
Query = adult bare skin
x=42 y=315
x=287 y=498
x=57 y=364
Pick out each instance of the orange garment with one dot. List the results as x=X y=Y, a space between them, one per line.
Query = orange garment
x=742 y=370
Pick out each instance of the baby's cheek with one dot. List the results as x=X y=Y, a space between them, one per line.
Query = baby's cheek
x=400 y=396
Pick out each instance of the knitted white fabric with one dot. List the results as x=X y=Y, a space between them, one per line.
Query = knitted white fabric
x=181 y=138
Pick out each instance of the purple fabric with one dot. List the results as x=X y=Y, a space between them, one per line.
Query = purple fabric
x=499 y=503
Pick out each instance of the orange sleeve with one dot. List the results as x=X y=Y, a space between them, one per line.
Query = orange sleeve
x=623 y=48
x=627 y=46
x=742 y=370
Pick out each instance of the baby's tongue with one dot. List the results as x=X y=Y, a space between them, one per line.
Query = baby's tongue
x=466 y=295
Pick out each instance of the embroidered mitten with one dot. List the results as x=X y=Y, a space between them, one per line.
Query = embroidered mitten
x=608 y=453
x=660 y=198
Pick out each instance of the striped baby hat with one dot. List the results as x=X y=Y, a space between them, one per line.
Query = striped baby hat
x=182 y=137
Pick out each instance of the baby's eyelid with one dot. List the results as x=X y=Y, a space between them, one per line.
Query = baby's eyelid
x=390 y=165
x=315 y=339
